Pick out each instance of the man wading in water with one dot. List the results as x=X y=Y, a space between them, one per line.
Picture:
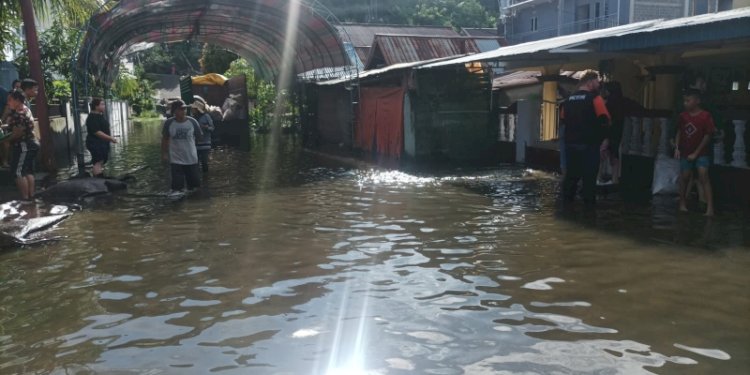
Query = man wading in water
x=585 y=116
x=98 y=137
x=178 y=147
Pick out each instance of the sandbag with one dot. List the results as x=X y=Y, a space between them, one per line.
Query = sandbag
x=666 y=176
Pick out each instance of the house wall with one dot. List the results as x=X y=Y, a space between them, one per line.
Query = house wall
x=548 y=17
x=334 y=116
x=610 y=13
x=643 y=10
x=453 y=120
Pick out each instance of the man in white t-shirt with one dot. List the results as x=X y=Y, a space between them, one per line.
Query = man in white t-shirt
x=178 y=147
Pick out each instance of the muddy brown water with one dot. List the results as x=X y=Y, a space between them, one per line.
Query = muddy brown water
x=290 y=263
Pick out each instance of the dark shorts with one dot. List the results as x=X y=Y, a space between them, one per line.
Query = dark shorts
x=99 y=152
x=185 y=173
x=701 y=162
x=23 y=160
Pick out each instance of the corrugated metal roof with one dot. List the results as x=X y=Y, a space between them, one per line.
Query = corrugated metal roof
x=526 y=77
x=713 y=27
x=719 y=26
x=363 y=35
x=476 y=31
x=397 y=49
x=486 y=45
x=516 y=79
x=375 y=72
x=254 y=29
x=544 y=45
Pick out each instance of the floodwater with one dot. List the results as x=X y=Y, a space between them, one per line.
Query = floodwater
x=292 y=263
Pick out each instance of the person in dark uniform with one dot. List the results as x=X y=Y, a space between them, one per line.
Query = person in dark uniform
x=585 y=117
x=98 y=137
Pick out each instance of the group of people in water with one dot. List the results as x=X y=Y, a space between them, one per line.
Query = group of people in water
x=186 y=141
x=185 y=144
x=592 y=121
x=591 y=127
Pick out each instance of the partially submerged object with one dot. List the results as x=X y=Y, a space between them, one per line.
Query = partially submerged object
x=75 y=190
x=28 y=223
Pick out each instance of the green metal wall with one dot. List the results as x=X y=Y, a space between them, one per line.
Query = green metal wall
x=453 y=120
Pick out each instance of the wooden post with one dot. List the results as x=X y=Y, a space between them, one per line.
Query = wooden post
x=35 y=68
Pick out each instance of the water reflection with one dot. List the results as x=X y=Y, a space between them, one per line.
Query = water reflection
x=337 y=270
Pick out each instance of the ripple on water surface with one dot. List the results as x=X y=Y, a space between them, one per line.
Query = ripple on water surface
x=329 y=270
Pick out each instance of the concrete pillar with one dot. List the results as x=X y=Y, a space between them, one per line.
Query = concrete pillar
x=739 y=156
x=502 y=130
x=527 y=127
x=549 y=110
x=719 y=157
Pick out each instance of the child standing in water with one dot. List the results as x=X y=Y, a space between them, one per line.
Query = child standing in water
x=695 y=129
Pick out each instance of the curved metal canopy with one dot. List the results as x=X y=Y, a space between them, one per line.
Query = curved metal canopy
x=254 y=29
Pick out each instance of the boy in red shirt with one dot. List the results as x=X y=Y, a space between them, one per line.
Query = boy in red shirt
x=695 y=129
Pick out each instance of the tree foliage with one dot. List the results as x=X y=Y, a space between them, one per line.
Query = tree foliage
x=184 y=56
x=215 y=59
x=135 y=89
x=57 y=45
x=262 y=94
x=455 y=13
x=70 y=13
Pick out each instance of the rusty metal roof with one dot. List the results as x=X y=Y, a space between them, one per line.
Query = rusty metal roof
x=479 y=31
x=397 y=49
x=255 y=29
x=362 y=36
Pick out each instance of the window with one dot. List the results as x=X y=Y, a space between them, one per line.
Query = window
x=725 y=5
x=735 y=86
x=534 y=24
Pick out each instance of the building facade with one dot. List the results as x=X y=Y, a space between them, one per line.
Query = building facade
x=529 y=20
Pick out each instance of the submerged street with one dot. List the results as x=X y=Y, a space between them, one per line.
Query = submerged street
x=293 y=263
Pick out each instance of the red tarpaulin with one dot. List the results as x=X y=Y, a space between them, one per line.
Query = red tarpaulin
x=381 y=120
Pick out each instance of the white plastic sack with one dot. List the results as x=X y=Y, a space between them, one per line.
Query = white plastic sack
x=666 y=175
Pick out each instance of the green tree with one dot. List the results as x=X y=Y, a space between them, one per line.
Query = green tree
x=215 y=59
x=135 y=89
x=57 y=45
x=183 y=56
x=455 y=13
x=71 y=13
x=262 y=94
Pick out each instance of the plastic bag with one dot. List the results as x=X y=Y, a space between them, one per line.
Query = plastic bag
x=666 y=176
